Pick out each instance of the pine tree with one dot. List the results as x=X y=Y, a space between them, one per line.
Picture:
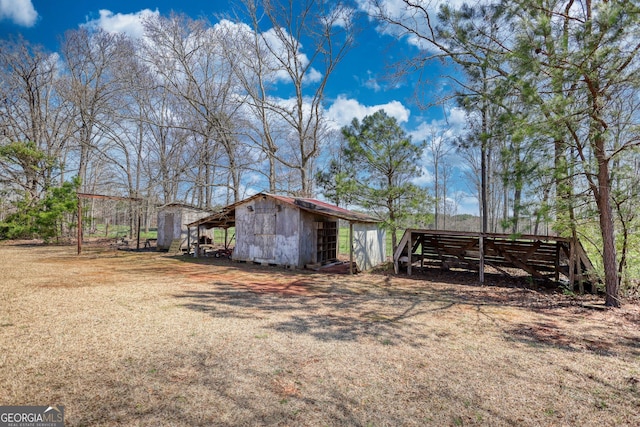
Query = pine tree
x=380 y=162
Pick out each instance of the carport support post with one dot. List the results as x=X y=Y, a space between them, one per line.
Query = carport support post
x=410 y=253
x=139 y=223
x=197 y=253
x=350 y=247
x=79 y=226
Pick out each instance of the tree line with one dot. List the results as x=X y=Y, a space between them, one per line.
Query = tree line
x=199 y=112
x=189 y=111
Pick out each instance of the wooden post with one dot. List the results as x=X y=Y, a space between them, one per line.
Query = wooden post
x=139 y=223
x=350 y=247
x=556 y=263
x=481 y=249
x=421 y=237
x=79 y=226
x=410 y=253
x=197 y=252
x=572 y=264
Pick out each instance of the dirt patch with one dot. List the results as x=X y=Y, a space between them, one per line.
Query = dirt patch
x=126 y=338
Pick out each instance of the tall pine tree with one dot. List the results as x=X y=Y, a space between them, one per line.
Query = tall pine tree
x=379 y=162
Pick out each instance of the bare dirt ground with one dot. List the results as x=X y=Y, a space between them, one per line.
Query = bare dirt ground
x=123 y=338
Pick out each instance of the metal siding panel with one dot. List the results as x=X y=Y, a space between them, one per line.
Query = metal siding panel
x=369 y=245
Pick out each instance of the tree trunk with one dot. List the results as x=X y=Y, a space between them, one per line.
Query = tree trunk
x=483 y=177
x=517 y=207
x=272 y=171
x=437 y=189
x=603 y=200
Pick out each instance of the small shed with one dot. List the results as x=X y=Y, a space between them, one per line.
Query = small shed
x=172 y=223
x=295 y=232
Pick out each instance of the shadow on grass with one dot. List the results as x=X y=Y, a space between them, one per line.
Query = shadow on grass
x=324 y=316
x=151 y=391
x=602 y=341
x=393 y=309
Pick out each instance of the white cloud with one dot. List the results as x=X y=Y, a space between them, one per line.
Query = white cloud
x=312 y=75
x=454 y=124
x=466 y=203
x=425 y=180
x=411 y=17
x=457 y=117
x=21 y=12
x=341 y=16
x=127 y=23
x=273 y=51
x=344 y=110
x=372 y=82
x=274 y=44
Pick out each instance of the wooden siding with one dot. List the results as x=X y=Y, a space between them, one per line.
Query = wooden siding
x=267 y=232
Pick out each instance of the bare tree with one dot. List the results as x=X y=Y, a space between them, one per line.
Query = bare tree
x=439 y=151
x=167 y=145
x=91 y=86
x=291 y=131
x=187 y=55
x=32 y=115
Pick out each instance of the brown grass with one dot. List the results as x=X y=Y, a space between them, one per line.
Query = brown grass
x=124 y=338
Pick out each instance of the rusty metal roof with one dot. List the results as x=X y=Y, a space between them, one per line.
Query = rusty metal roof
x=226 y=216
x=324 y=208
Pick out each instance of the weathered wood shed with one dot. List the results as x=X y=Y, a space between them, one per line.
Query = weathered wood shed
x=294 y=232
x=172 y=223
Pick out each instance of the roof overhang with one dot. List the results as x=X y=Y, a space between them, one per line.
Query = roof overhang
x=226 y=217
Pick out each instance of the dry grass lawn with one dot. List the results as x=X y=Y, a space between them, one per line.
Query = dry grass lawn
x=122 y=338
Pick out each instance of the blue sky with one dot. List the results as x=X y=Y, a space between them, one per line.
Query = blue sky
x=358 y=87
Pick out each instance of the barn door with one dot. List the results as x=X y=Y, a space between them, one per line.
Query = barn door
x=169 y=219
x=265 y=235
